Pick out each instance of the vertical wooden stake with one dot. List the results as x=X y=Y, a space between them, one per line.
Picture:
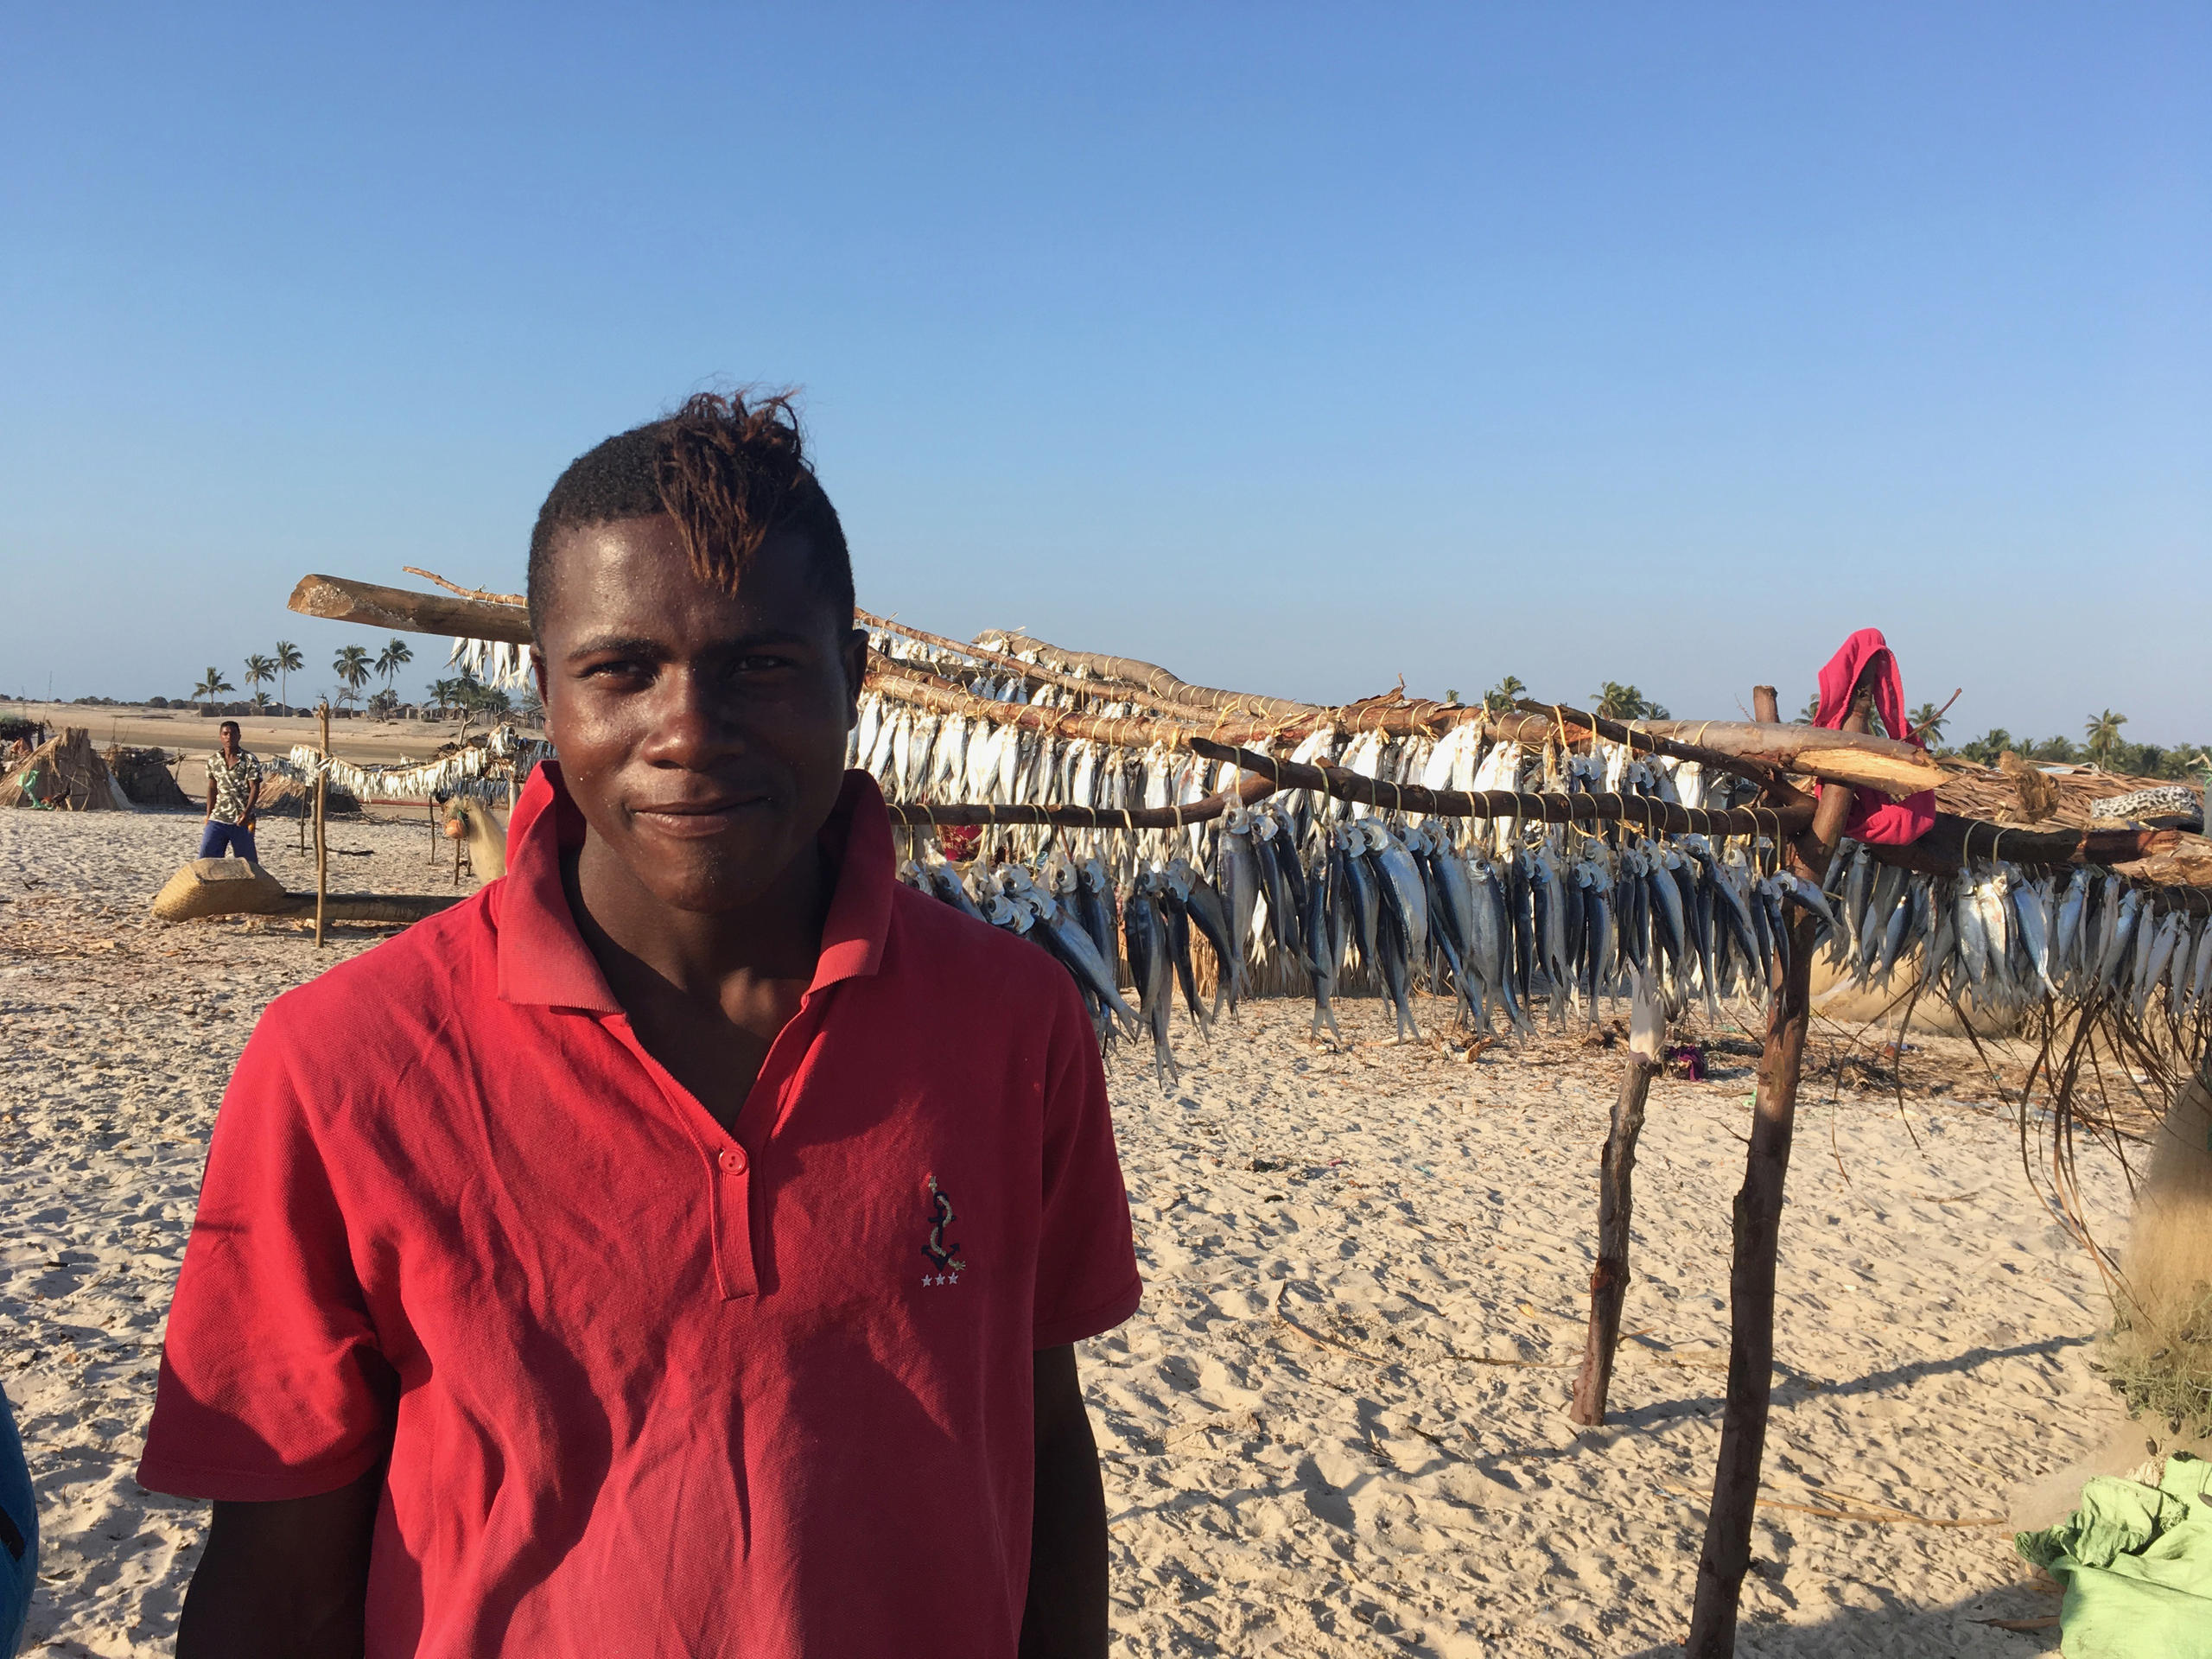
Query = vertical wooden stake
x=322 y=835
x=1727 y=1553
x=1609 y=1278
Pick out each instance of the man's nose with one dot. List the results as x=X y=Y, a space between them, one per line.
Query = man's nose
x=693 y=727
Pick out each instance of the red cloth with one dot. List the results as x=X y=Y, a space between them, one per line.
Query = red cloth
x=648 y=1387
x=1873 y=816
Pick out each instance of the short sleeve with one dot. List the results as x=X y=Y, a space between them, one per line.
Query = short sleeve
x=1087 y=1277
x=272 y=1385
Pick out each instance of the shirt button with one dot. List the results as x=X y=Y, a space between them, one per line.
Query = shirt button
x=732 y=1162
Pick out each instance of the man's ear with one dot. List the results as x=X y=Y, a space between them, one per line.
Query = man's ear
x=855 y=655
x=537 y=679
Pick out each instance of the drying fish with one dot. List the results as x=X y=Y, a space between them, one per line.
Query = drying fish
x=1174 y=895
x=1325 y=939
x=1147 y=933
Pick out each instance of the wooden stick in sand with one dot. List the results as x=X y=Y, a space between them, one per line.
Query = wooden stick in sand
x=322 y=833
x=1757 y=1226
x=1609 y=1277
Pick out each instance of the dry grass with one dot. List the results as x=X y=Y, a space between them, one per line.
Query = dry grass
x=2161 y=1364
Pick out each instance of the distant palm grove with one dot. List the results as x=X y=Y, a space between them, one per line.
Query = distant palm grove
x=460 y=694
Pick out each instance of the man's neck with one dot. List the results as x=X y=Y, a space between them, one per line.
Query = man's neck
x=702 y=954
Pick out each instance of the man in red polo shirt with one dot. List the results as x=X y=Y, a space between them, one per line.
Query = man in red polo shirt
x=678 y=1248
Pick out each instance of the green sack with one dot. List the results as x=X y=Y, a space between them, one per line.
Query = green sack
x=2136 y=1564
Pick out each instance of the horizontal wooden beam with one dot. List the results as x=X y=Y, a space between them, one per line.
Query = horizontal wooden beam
x=1859 y=759
x=1235 y=717
x=1034 y=673
x=1551 y=806
x=403 y=611
x=1641 y=741
x=919 y=814
x=1947 y=847
x=1151 y=678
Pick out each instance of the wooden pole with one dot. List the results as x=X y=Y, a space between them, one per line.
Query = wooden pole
x=1153 y=678
x=1766 y=708
x=1233 y=716
x=1647 y=812
x=397 y=608
x=322 y=834
x=1758 y=1225
x=1616 y=1204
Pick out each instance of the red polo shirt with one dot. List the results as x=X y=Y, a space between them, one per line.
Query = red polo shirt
x=649 y=1388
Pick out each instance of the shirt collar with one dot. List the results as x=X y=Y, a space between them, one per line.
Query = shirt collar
x=543 y=959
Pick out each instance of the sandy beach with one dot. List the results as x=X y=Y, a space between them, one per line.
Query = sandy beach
x=361 y=740
x=1336 y=1426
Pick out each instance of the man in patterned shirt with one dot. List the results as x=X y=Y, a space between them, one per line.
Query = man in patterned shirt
x=233 y=790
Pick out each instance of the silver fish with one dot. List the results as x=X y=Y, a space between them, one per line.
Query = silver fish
x=2028 y=902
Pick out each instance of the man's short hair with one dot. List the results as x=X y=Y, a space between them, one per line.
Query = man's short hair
x=228 y=726
x=730 y=472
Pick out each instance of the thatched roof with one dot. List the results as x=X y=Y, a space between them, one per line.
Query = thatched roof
x=145 y=777
x=1976 y=791
x=290 y=798
x=64 y=773
x=2063 y=801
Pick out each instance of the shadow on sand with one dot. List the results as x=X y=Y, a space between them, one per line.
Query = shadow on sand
x=1893 y=1629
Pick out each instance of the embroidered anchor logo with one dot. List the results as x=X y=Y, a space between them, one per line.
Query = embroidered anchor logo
x=946 y=1256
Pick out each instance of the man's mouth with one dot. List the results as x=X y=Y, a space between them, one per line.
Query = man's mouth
x=699 y=819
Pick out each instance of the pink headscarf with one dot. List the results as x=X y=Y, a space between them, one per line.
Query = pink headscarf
x=1889 y=823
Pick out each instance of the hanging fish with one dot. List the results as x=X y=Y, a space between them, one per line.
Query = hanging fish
x=1067 y=937
x=1173 y=893
x=1209 y=914
x=1270 y=851
x=1094 y=905
x=1145 y=931
x=1238 y=866
x=1324 y=940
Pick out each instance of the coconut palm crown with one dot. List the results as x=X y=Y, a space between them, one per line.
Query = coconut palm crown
x=352 y=666
x=287 y=659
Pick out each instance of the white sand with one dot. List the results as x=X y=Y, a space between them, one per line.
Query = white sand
x=1310 y=1446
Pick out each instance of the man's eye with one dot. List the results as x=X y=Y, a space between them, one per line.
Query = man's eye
x=618 y=669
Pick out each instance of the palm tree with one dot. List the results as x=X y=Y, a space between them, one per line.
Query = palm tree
x=1502 y=694
x=1617 y=702
x=2103 y=732
x=259 y=671
x=288 y=659
x=211 y=685
x=396 y=655
x=1927 y=724
x=1985 y=750
x=351 y=665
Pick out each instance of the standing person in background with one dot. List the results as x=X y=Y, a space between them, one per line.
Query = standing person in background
x=233 y=791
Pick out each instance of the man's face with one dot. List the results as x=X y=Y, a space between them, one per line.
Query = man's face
x=701 y=733
x=229 y=734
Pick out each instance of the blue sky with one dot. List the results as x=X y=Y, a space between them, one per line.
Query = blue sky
x=1299 y=348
